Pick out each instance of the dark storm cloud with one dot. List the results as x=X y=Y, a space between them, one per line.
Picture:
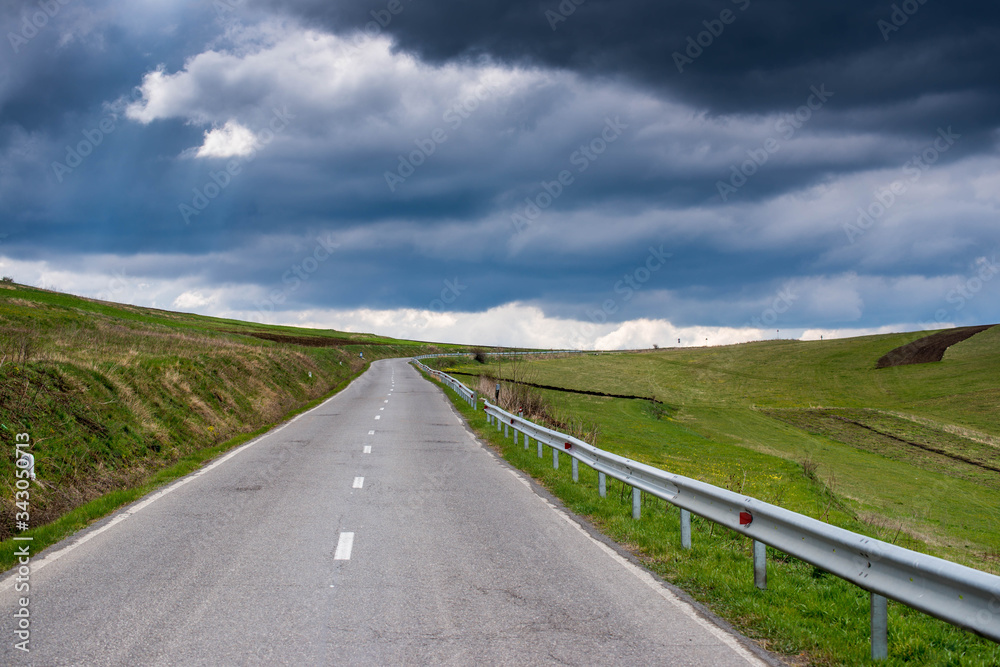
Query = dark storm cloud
x=764 y=55
x=848 y=103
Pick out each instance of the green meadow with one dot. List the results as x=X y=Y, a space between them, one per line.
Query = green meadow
x=909 y=453
x=902 y=454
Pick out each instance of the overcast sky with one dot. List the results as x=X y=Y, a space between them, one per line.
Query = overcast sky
x=590 y=173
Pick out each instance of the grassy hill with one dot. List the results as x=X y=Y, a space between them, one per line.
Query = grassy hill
x=904 y=453
x=117 y=398
x=121 y=399
x=908 y=453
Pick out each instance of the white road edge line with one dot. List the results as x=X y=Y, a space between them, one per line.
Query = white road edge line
x=646 y=578
x=359 y=482
x=37 y=565
x=344 y=546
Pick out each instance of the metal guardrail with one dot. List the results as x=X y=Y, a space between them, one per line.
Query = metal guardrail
x=960 y=595
x=502 y=354
x=470 y=396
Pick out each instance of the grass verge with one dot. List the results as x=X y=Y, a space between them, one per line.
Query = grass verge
x=80 y=517
x=911 y=451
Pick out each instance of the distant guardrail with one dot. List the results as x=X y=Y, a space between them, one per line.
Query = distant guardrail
x=467 y=394
x=960 y=595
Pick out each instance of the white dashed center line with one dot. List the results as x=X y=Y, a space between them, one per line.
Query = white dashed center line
x=378 y=416
x=368 y=449
x=359 y=482
x=344 y=546
x=371 y=432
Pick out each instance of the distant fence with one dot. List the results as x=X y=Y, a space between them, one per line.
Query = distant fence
x=960 y=595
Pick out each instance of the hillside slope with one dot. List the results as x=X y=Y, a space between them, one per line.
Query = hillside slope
x=110 y=394
x=912 y=452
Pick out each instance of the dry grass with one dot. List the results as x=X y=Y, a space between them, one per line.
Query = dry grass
x=109 y=401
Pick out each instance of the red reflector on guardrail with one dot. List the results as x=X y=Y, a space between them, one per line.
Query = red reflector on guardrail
x=746 y=518
x=568 y=445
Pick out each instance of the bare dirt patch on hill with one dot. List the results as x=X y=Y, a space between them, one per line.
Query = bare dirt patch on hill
x=929 y=348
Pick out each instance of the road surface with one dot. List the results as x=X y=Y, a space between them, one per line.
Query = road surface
x=374 y=529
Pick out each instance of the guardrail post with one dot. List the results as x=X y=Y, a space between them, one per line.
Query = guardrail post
x=685 y=529
x=555 y=459
x=576 y=470
x=475 y=399
x=539 y=447
x=602 y=484
x=498 y=423
x=880 y=627
x=506 y=433
x=636 y=503
x=760 y=565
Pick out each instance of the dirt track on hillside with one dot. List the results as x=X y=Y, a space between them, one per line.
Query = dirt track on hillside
x=929 y=348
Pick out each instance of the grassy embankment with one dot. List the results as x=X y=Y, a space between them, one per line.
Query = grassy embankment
x=790 y=423
x=119 y=399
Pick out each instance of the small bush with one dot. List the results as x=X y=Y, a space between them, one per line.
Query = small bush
x=7 y=279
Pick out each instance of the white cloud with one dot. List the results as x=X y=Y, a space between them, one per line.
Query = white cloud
x=514 y=324
x=192 y=299
x=517 y=325
x=230 y=140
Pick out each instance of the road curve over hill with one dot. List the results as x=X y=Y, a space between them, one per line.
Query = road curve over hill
x=374 y=529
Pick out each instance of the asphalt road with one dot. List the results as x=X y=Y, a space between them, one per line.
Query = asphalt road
x=374 y=529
